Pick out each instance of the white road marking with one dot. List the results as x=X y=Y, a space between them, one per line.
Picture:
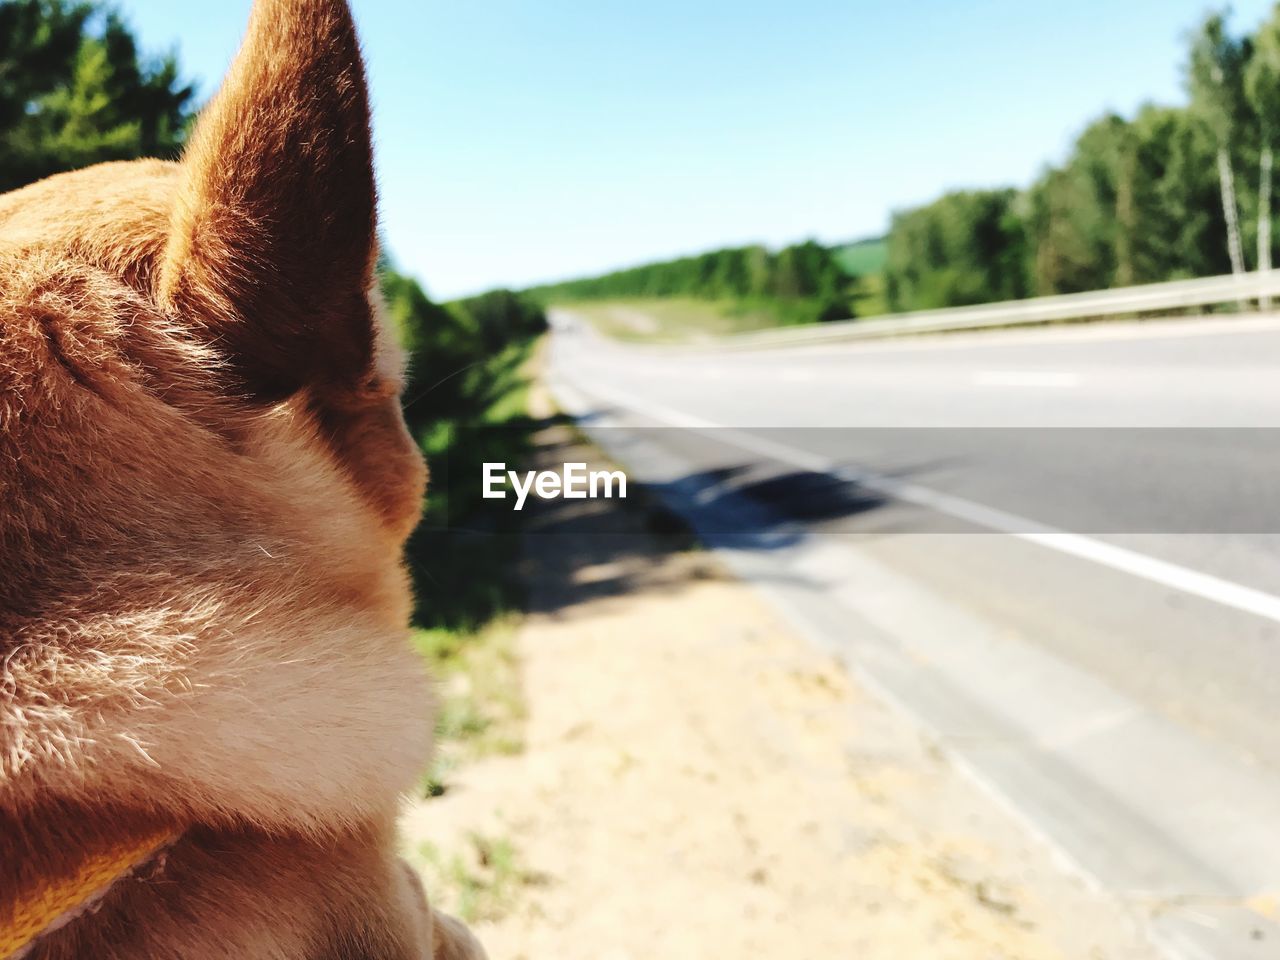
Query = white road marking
x=1052 y=379
x=1206 y=586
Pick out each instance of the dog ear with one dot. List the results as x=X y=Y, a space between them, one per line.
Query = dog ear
x=273 y=239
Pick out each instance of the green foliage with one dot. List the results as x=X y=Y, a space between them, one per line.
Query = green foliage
x=464 y=406
x=680 y=319
x=480 y=710
x=1216 y=76
x=1262 y=76
x=864 y=261
x=75 y=91
x=464 y=403
x=480 y=882
x=802 y=283
x=965 y=248
x=1137 y=200
x=862 y=258
x=500 y=316
x=1262 y=91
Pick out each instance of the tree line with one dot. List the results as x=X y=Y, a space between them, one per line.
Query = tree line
x=1170 y=193
x=804 y=278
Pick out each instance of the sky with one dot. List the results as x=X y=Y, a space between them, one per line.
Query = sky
x=522 y=141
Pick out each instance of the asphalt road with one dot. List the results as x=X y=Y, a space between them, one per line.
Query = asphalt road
x=1060 y=549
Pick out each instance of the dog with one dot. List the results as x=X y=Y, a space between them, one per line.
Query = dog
x=209 y=707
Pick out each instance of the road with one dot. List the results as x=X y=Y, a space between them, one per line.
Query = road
x=1058 y=549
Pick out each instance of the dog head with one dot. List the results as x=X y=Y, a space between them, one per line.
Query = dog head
x=206 y=478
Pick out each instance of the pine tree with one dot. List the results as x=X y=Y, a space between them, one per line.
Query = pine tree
x=74 y=91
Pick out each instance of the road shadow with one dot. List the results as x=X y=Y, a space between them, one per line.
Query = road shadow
x=589 y=551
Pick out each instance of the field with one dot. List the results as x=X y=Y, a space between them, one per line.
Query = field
x=690 y=319
x=863 y=257
x=675 y=319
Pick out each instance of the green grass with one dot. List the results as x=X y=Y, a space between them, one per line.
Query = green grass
x=463 y=553
x=869 y=299
x=689 y=319
x=481 y=708
x=865 y=260
x=464 y=557
x=683 y=319
x=863 y=257
x=481 y=882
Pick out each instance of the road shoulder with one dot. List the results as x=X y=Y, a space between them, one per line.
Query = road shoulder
x=698 y=777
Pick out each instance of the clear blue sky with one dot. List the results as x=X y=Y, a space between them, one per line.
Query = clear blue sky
x=528 y=140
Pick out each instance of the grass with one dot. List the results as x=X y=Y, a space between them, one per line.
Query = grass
x=678 y=319
x=689 y=319
x=513 y=402
x=469 y=405
x=483 y=881
x=464 y=559
x=869 y=299
x=865 y=260
x=468 y=617
x=463 y=553
x=863 y=257
x=481 y=709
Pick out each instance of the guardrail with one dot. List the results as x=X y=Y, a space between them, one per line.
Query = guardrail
x=1151 y=298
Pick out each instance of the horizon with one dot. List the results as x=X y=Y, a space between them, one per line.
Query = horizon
x=521 y=147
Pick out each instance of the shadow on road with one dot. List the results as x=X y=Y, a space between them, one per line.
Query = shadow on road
x=579 y=551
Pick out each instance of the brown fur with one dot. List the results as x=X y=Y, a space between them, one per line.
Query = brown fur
x=206 y=485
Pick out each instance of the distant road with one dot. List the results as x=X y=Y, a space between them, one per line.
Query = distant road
x=1059 y=548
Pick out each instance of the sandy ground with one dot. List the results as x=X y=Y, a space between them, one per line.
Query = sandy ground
x=699 y=782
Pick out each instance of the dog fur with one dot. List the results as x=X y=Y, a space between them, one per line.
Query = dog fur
x=205 y=488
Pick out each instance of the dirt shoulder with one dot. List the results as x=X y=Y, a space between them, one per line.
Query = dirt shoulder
x=698 y=781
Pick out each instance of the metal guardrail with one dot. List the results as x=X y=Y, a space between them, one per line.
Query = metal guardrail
x=1151 y=298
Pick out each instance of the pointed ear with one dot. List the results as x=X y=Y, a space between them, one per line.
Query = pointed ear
x=272 y=243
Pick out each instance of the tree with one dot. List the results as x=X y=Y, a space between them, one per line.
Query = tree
x=1178 y=216
x=1262 y=86
x=1083 y=217
x=74 y=91
x=802 y=283
x=1215 y=77
x=1137 y=200
x=967 y=247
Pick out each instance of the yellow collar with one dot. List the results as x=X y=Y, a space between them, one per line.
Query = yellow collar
x=56 y=900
